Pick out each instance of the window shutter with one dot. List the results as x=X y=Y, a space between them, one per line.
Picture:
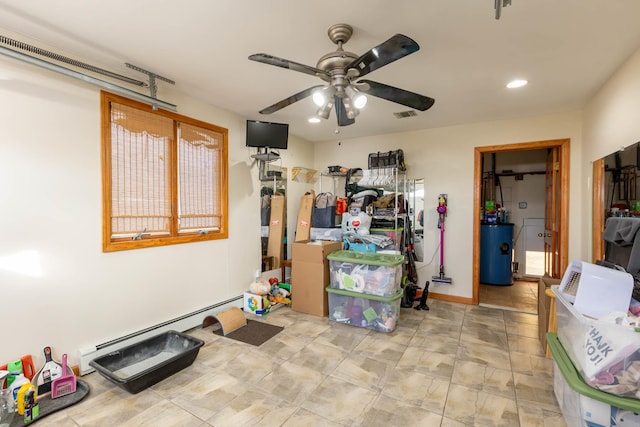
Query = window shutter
x=141 y=172
x=199 y=178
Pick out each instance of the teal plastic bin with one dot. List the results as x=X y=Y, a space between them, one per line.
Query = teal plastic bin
x=583 y=405
x=364 y=311
x=367 y=273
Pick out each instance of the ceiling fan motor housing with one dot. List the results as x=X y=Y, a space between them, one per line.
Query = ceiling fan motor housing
x=335 y=63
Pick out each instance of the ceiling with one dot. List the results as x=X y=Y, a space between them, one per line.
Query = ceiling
x=566 y=50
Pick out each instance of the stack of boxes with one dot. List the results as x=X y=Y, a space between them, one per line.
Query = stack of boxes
x=364 y=289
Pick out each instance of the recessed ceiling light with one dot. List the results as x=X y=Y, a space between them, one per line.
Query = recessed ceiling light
x=314 y=120
x=516 y=83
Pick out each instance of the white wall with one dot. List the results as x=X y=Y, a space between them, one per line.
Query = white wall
x=57 y=287
x=610 y=123
x=444 y=158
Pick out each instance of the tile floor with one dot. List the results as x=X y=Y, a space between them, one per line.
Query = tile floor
x=521 y=296
x=454 y=365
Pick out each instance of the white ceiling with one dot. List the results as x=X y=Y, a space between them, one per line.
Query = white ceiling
x=565 y=48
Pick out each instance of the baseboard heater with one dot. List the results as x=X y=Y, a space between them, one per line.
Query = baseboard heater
x=180 y=324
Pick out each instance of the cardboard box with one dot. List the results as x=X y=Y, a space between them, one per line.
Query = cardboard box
x=303 y=226
x=277 y=224
x=310 y=276
x=543 y=308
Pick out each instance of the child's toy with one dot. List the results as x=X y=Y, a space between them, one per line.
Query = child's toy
x=356 y=221
x=260 y=287
x=280 y=293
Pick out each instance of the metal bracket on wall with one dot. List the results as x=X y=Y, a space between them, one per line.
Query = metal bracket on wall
x=153 y=87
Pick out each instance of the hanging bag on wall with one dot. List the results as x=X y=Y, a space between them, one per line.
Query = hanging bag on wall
x=323 y=214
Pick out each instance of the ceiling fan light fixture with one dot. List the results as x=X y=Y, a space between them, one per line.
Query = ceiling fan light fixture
x=325 y=110
x=358 y=98
x=349 y=107
x=360 y=101
x=323 y=95
x=318 y=98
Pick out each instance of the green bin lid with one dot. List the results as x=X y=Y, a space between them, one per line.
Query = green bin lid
x=392 y=298
x=356 y=257
x=577 y=383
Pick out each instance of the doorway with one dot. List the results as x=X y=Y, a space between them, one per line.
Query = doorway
x=556 y=205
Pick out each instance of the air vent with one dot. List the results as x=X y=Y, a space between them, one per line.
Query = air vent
x=405 y=114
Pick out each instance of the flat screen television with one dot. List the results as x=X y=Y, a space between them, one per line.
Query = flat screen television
x=266 y=134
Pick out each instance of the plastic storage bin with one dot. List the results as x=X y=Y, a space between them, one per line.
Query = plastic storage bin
x=332 y=234
x=394 y=234
x=369 y=273
x=583 y=405
x=138 y=366
x=365 y=311
x=607 y=355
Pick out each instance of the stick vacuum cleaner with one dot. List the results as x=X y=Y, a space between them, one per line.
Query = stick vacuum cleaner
x=442 y=212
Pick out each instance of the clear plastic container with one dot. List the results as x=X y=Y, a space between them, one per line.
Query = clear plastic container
x=606 y=354
x=583 y=405
x=367 y=273
x=364 y=311
x=7 y=408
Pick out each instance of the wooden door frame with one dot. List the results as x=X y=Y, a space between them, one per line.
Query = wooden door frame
x=563 y=227
x=598 y=217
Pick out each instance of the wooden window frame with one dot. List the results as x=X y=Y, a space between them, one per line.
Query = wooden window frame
x=112 y=243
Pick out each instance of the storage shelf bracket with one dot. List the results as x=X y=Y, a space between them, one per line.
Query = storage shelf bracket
x=308 y=173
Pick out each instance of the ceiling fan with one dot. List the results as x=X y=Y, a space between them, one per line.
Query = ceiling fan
x=342 y=71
